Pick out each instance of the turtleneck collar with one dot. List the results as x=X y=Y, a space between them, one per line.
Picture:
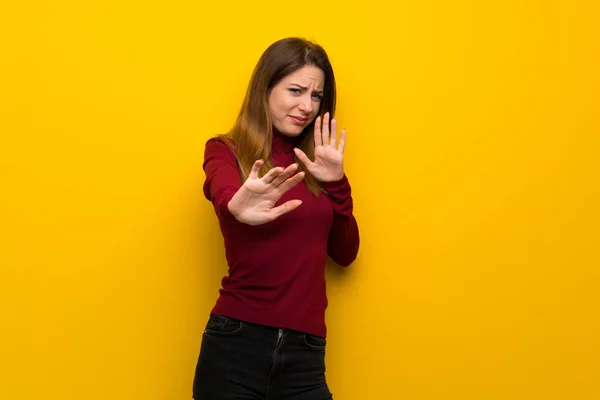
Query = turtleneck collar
x=282 y=143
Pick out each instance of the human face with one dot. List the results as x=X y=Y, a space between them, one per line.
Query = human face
x=295 y=100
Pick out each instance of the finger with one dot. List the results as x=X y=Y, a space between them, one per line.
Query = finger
x=272 y=174
x=286 y=174
x=255 y=168
x=333 y=140
x=303 y=157
x=285 y=208
x=317 y=132
x=342 y=141
x=290 y=183
x=325 y=129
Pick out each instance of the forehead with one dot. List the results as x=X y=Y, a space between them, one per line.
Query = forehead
x=306 y=76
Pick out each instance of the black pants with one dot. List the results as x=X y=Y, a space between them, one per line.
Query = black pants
x=244 y=361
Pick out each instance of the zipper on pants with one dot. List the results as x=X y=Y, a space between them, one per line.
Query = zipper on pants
x=278 y=341
x=276 y=347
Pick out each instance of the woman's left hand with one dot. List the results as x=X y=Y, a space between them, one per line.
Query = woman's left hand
x=329 y=158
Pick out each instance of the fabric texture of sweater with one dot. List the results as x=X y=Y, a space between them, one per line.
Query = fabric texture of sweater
x=277 y=270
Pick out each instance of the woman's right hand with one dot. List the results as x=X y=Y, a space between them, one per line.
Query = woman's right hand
x=254 y=202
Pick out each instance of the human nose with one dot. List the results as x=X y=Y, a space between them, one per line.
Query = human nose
x=306 y=105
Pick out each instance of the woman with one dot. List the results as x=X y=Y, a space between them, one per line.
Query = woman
x=283 y=203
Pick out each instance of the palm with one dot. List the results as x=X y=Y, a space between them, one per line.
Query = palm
x=254 y=203
x=328 y=165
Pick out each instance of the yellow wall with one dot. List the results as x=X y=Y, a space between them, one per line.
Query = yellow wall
x=472 y=150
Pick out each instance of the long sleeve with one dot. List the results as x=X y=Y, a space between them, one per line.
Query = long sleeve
x=222 y=177
x=276 y=274
x=344 y=239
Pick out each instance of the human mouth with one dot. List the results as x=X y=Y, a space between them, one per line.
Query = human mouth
x=299 y=120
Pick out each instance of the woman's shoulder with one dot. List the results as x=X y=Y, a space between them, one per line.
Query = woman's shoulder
x=221 y=139
x=220 y=143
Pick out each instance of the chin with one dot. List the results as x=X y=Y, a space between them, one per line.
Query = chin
x=292 y=131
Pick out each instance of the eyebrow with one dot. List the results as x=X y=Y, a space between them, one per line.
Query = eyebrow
x=305 y=88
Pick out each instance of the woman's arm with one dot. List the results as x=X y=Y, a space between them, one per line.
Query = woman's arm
x=222 y=177
x=344 y=239
x=252 y=202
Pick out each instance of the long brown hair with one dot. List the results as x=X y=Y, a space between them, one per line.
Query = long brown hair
x=251 y=136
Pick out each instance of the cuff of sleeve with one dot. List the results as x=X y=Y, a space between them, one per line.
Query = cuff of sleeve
x=222 y=208
x=338 y=189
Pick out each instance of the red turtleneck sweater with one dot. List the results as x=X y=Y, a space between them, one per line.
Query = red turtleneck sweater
x=276 y=270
